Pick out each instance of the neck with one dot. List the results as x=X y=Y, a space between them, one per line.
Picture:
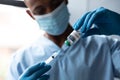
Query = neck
x=59 y=40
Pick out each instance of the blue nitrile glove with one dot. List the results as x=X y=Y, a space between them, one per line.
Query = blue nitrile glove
x=36 y=72
x=107 y=22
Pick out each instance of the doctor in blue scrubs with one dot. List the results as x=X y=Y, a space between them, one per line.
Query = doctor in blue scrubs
x=96 y=57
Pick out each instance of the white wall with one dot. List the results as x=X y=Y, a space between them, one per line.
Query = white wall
x=110 y=4
x=78 y=7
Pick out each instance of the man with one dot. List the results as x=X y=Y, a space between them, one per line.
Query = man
x=91 y=58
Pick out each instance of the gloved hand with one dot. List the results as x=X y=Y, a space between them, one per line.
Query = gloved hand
x=36 y=72
x=107 y=22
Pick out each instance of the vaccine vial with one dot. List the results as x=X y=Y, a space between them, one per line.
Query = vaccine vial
x=73 y=37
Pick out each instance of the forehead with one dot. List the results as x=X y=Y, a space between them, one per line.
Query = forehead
x=32 y=2
x=42 y=1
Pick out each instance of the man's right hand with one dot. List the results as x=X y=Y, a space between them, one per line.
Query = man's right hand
x=36 y=72
x=107 y=22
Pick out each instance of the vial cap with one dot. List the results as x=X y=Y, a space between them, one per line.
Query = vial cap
x=67 y=43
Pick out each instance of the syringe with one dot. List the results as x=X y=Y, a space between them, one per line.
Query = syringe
x=73 y=37
x=54 y=55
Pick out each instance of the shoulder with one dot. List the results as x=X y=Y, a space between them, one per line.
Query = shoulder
x=95 y=39
x=31 y=54
x=101 y=38
x=32 y=51
x=98 y=41
x=27 y=56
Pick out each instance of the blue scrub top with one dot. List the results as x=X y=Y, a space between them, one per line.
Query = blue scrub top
x=91 y=58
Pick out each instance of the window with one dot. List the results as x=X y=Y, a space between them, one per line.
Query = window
x=17 y=29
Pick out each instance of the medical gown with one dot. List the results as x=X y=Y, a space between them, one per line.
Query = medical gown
x=92 y=58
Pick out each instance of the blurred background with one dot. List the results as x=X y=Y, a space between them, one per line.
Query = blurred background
x=17 y=29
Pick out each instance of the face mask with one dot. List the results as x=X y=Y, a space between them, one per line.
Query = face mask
x=56 y=22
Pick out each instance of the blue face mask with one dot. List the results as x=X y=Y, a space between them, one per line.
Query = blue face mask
x=56 y=22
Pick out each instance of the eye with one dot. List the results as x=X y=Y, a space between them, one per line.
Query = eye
x=40 y=10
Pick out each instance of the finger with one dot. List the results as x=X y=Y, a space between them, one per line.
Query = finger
x=100 y=9
x=84 y=26
x=94 y=17
x=80 y=22
x=40 y=72
x=44 y=77
x=34 y=68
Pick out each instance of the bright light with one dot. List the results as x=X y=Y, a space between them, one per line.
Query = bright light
x=16 y=27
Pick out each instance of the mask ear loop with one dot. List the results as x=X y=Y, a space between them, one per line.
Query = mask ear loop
x=30 y=14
